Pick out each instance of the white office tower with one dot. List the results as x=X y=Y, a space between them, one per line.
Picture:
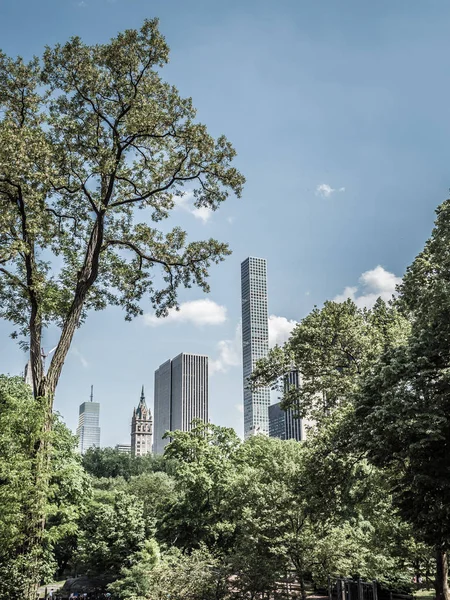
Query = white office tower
x=255 y=342
x=88 y=430
x=181 y=395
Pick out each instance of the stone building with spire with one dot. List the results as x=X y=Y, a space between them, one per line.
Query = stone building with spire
x=141 y=428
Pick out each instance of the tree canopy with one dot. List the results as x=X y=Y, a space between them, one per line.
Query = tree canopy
x=95 y=149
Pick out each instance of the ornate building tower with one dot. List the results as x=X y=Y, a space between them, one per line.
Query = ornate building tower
x=141 y=429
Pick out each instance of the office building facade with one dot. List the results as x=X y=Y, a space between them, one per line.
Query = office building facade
x=141 y=428
x=181 y=395
x=88 y=430
x=255 y=342
x=285 y=424
x=123 y=448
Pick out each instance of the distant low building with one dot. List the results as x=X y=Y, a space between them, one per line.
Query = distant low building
x=141 y=428
x=285 y=424
x=123 y=448
x=88 y=430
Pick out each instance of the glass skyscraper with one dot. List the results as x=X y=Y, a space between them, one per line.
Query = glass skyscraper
x=88 y=430
x=181 y=395
x=285 y=424
x=255 y=342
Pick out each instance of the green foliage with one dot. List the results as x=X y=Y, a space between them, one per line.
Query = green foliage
x=112 y=530
x=202 y=467
x=404 y=400
x=135 y=582
x=109 y=462
x=197 y=576
x=90 y=134
x=331 y=348
x=20 y=428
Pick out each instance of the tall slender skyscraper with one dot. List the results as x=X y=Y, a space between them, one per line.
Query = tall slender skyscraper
x=255 y=342
x=141 y=428
x=181 y=395
x=88 y=430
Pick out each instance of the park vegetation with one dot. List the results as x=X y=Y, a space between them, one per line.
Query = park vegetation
x=95 y=150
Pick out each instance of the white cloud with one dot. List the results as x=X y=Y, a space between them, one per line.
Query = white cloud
x=373 y=284
x=280 y=329
x=197 y=312
x=80 y=357
x=230 y=220
x=239 y=407
x=229 y=353
x=324 y=190
x=186 y=203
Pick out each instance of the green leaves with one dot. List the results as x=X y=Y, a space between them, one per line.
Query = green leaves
x=88 y=136
x=332 y=348
x=21 y=421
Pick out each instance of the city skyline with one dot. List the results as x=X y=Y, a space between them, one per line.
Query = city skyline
x=361 y=137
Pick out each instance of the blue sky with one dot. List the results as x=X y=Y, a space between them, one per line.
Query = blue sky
x=339 y=113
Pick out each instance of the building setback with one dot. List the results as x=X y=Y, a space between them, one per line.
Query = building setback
x=141 y=428
x=181 y=395
x=88 y=430
x=255 y=342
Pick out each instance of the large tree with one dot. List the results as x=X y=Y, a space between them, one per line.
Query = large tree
x=331 y=348
x=95 y=149
x=405 y=400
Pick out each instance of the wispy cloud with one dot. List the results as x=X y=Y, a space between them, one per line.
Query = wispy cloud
x=228 y=353
x=197 y=312
x=373 y=284
x=74 y=350
x=325 y=191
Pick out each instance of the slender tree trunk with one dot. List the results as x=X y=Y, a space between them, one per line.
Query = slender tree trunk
x=302 y=587
x=44 y=389
x=442 y=588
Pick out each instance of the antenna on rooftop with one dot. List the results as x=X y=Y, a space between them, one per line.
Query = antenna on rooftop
x=92 y=393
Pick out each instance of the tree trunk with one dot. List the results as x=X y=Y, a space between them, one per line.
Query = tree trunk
x=44 y=386
x=302 y=588
x=442 y=589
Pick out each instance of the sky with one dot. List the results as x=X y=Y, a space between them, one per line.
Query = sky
x=339 y=113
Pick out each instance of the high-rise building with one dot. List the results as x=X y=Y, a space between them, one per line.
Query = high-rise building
x=123 y=448
x=285 y=424
x=141 y=428
x=28 y=374
x=255 y=342
x=181 y=395
x=88 y=430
